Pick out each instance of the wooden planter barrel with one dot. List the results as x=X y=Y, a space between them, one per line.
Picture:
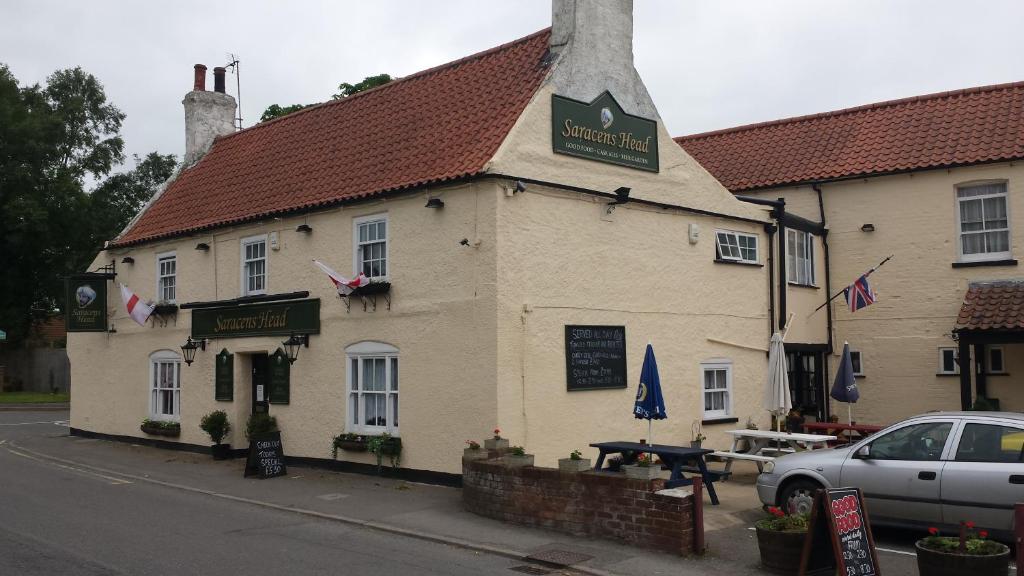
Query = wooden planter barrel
x=935 y=563
x=780 y=550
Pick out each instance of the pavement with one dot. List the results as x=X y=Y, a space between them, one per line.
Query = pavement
x=432 y=515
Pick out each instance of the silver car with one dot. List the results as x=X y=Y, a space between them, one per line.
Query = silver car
x=931 y=470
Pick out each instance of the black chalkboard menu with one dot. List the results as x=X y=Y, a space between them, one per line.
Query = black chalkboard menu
x=839 y=539
x=266 y=456
x=595 y=357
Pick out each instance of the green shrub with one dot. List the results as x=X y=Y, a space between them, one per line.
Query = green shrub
x=216 y=425
x=259 y=424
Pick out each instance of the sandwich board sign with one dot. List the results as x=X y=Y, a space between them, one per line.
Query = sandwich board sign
x=839 y=540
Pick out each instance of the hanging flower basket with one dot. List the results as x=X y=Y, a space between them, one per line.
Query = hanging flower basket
x=372 y=289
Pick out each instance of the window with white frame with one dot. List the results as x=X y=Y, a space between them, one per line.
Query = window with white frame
x=856 y=362
x=994 y=358
x=736 y=246
x=371 y=243
x=716 y=379
x=254 y=265
x=372 y=373
x=800 y=257
x=166 y=277
x=948 y=361
x=983 y=221
x=165 y=385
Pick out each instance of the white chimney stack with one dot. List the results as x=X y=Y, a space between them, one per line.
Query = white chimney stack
x=207 y=114
x=594 y=42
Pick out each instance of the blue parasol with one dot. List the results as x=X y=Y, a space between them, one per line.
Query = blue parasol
x=649 y=405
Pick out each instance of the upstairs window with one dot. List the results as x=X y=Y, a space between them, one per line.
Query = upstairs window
x=371 y=243
x=166 y=277
x=736 y=246
x=254 y=265
x=800 y=257
x=983 y=221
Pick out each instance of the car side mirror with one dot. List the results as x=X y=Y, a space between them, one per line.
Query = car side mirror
x=863 y=453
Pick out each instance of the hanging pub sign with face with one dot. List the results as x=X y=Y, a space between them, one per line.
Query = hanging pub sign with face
x=85 y=303
x=602 y=131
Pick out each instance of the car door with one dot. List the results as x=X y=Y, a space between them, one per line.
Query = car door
x=985 y=476
x=899 y=471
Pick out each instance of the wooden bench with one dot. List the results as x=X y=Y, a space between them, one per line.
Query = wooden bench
x=730 y=456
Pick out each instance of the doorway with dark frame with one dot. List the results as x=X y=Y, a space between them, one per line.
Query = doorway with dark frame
x=260 y=383
x=806 y=366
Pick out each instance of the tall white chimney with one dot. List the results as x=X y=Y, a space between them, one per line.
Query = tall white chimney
x=594 y=42
x=207 y=115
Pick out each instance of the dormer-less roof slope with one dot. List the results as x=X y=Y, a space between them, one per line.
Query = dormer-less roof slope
x=437 y=125
x=962 y=127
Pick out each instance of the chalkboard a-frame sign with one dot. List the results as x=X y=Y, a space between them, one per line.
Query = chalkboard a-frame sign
x=595 y=357
x=839 y=539
x=266 y=456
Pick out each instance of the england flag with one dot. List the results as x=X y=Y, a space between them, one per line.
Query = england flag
x=342 y=284
x=137 y=309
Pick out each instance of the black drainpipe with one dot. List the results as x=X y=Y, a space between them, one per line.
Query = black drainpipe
x=779 y=214
x=828 y=272
x=771 y=280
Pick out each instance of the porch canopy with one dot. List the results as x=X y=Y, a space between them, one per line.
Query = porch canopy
x=992 y=313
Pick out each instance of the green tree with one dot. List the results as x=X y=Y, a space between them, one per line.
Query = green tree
x=367 y=83
x=120 y=197
x=276 y=110
x=52 y=138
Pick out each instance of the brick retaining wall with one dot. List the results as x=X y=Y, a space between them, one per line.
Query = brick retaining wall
x=603 y=505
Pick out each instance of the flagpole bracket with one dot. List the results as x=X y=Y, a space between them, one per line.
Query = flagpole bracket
x=163 y=313
x=368 y=294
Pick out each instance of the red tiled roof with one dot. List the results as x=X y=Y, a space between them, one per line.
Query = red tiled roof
x=968 y=126
x=992 y=306
x=434 y=126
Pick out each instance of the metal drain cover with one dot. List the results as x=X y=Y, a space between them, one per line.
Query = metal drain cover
x=559 y=557
x=528 y=569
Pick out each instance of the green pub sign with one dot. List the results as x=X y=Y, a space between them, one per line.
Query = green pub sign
x=224 y=377
x=85 y=303
x=280 y=377
x=602 y=131
x=279 y=318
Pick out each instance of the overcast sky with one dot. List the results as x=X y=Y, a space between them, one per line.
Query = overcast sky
x=708 y=64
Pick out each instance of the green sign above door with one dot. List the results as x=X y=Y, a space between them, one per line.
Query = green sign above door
x=85 y=303
x=602 y=131
x=279 y=318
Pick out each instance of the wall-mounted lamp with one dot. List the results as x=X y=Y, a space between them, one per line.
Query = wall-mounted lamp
x=188 y=349
x=621 y=195
x=867 y=228
x=464 y=242
x=435 y=203
x=305 y=228
x=127 y=260
x=203 y=246
x=292 y=344
x=520 y=187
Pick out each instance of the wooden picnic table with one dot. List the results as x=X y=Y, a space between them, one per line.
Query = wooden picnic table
x=676 y=458
x=763 y=441
x=849 y=432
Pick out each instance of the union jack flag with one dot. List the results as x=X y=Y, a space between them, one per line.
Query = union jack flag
x=859 y=294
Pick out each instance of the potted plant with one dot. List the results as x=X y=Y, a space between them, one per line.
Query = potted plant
x=517 y=457
x=780 y=538
x=216 y=425
x=644 y=469
x=474 y=451
x=259 y=424
x=697 y=435
x=574 y=463
x=161 y=428
x=969 y=552
x=385 y=445
x=496 y=443
x=349 y=442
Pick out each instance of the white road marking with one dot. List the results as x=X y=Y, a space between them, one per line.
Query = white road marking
x=111 y=479
x=904 y=552
x=27 y=423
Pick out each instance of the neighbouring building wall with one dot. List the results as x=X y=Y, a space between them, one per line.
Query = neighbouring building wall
x=442 y=319
x=919 y=291
x=563 y=261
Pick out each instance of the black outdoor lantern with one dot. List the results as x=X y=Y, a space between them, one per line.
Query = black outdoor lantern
x=291 y=345
x=188 y=349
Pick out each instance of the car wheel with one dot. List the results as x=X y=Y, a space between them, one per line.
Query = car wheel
x=798 y=496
